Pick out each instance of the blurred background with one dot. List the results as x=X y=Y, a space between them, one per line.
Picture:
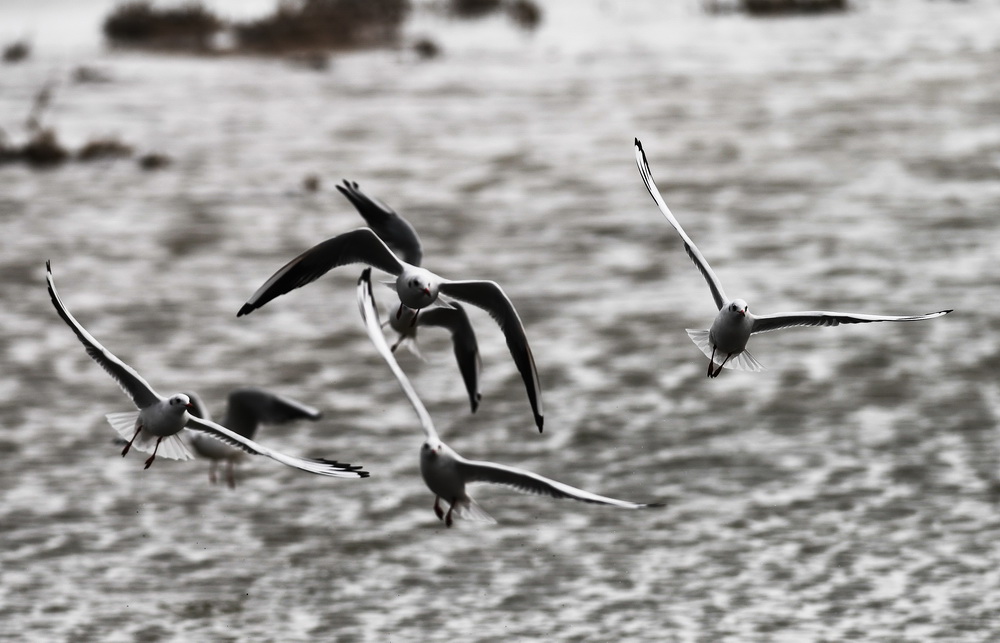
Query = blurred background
x=168 y=158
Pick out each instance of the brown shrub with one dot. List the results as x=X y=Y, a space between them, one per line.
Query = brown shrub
x=324 y=24
x=139 y=24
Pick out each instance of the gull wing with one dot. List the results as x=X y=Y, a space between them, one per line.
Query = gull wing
x=532 y=483
x=463 y=340
x=396 y=231
x=765 y=323
x=489 y=296
x=699 y=260
x=320 y=466
x=357 y=246
x=369 y=315
x=138 y=389
x=250 y=407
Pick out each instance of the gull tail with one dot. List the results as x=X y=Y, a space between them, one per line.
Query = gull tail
x=471 y=510
x=171 y=446
x=745 y=361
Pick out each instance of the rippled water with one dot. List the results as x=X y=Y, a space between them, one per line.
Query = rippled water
x=848 y=492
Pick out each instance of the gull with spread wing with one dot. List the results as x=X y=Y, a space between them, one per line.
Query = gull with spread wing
x=447 y=473
x=246 y=409
x=417 y=288
x=400 y=236
x=154 y=428
x=725 y=342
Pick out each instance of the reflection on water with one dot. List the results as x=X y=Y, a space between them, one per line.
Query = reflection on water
x=849 y=491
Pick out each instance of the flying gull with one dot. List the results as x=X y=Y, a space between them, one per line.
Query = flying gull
x=417 y=288
x=154 y=428
x=447 y=473
x=725 y=342
x=400 y=236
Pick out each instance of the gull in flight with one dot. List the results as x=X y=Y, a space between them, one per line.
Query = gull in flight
x=154 y=428
x=246 y=409
x=445 y=472
x=399 y=235
x=725 y=342
x=417 y=288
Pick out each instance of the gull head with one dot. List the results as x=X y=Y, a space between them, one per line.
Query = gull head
x=435 y=452
x=737 y=308
x=417 y=289
x=180 y=402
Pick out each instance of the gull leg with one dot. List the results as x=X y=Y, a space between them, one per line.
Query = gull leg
x=447 y=516
x=211 y=471
x=711 y=362
x=399 y=311
x=231 y=473
x=129 y=445
x=437 y=508
x=150 y=459
x=719 y=370
x=398 y=342
x=413 y=322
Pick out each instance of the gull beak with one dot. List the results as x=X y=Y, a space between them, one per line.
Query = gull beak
x=427 y=291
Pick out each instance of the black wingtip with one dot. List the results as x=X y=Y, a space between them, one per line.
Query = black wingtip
x=539 y=421
x=246 y=310
x=638 y=144
x=345 y=467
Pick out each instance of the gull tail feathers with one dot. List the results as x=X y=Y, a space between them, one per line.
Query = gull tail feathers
x=472 y=512
x=410 y=344
x=124 y=423
x=745 y=361
x=700 y=339
x=171 y=446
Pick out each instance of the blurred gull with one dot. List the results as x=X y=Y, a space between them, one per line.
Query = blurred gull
x=417 y=288
x=733 y=326
x=399 y=235
x=246 y=409
x=163 y=418
x=445 y=472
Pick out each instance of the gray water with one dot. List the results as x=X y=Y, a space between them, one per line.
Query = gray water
x=848 y=492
